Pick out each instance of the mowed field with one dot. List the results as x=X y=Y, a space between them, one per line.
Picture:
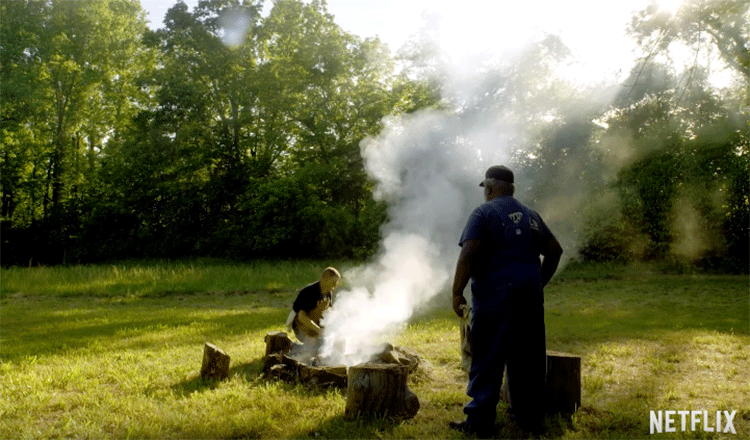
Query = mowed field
x=114 y=351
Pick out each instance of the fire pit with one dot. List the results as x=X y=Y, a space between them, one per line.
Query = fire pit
x=376 y=387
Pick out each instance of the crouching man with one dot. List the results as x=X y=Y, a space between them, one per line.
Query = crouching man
x=308 y=308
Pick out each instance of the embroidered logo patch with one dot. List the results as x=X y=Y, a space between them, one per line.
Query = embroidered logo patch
x=516 y=217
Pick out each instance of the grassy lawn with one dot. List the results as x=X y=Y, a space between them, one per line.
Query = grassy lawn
x=115 y=351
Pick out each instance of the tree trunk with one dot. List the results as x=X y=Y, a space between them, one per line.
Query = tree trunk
x=215 y=363
x=380 y=390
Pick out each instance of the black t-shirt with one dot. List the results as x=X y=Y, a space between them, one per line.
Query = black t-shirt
x=308 y=298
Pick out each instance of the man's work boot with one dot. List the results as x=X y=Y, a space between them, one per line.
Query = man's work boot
x=477 y=430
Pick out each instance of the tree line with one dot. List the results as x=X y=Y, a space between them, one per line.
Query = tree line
x=120 y=141
x=123 y=142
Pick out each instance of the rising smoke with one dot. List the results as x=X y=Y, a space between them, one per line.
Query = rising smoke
x=427 y=165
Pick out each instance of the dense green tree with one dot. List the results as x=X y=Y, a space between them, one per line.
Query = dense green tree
x=22 y=150
x=336 y=89
x=680 y=145
x=715 y=33
x=286 y=102
x=721 y=24
x=67 y=90
x=228 y=133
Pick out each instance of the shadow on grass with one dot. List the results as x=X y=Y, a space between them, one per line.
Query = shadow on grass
x=557 y=424
x=194 y=385
x=343 y=426
x=250 y=372
x=55 y=327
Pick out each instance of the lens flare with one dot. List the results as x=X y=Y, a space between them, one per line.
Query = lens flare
x=234 y=27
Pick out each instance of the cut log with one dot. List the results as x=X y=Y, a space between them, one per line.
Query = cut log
x=291 y=361
x=279 y=366
x=280 y=359
x=215 y=363
x=563 y=382
x=277 y=342
x=380 y=390
x=323 y=377
x=399 y=356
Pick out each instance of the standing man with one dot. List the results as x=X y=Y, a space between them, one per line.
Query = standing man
x=500 y=252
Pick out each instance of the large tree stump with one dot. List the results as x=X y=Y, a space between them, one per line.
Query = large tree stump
x=563 y=382
x=380 y=390
x=215 y=363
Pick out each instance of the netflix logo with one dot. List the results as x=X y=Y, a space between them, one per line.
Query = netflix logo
x=706 y=421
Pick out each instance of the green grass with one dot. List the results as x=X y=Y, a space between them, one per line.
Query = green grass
x=162 y=278
x=114 y=352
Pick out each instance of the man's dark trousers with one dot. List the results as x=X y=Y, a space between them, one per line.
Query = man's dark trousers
x=508 y=329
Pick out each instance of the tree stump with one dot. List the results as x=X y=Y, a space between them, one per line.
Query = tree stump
x=380 y=390
x=277 y=342
x=215 y=363
x=563 y=382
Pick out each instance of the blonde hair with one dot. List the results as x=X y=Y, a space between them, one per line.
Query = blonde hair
x=330 y=273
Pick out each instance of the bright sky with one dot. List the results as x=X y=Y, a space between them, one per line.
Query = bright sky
x=593 y=29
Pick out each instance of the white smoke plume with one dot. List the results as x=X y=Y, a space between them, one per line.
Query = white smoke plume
x=427 y=165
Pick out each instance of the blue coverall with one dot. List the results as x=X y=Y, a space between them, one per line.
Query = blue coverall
x=507 y=325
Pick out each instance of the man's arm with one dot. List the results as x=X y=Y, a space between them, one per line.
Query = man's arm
x=308 y=326
x=463 y=273
x=552 y=252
